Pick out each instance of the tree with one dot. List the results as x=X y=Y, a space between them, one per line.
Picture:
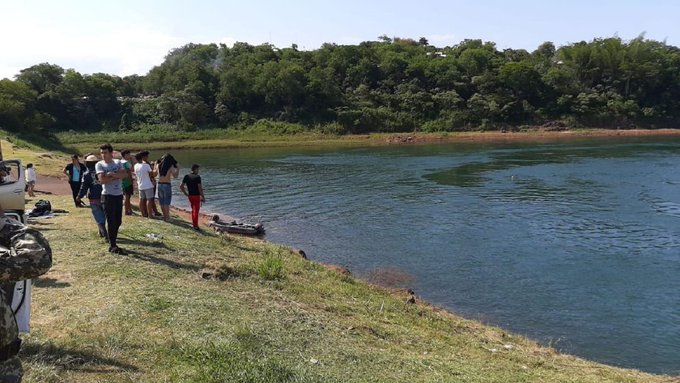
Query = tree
x=17 y=105
x=41 y=77
x=392 y=84
x=523 y=80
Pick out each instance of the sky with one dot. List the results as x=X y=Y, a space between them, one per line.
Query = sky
x=125 y=37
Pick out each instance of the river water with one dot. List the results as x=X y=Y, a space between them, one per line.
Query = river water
x=573 y=244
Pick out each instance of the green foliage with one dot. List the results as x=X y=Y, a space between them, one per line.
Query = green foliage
x=216 y=363
x=389 y=85
x=332 y=129
x=271 y=267
x=276 y=128
x=17 y=105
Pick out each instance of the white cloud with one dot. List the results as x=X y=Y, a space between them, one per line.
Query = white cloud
x=113 y=49
x=442 y=40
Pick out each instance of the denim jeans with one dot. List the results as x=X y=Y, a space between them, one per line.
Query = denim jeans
x=164 y=194
x=98 y=213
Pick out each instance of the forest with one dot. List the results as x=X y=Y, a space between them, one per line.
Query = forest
x=387 y=85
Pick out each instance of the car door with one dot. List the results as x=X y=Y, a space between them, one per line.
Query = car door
x=12 y=184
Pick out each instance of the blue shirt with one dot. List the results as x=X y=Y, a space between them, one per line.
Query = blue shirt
x=115 y=186
x=75 y=174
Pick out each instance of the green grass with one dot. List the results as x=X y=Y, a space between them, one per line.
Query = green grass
x=275 y=317
x=271 y=267
x=170 y=137
x=46 y=162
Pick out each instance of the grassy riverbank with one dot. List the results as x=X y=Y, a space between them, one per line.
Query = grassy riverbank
x=225 y=138
x=63 y=144
x=149 y=317
x=46 y=162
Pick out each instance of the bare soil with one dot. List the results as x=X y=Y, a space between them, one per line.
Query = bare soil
x=536 y=135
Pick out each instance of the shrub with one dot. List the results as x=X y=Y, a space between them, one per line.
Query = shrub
x=332 y=129
x=271 y=267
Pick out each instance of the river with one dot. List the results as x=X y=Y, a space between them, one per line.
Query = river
x=574 y=244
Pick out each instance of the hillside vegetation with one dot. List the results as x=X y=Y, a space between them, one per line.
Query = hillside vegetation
x=389 y=85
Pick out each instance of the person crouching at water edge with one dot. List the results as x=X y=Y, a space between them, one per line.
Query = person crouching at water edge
x=167 y=169
x=93 y=189
x=144 y=174
x=192 y=182
x=24 y=254
x=110 y=173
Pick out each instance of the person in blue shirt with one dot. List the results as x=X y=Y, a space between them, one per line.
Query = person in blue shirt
x=75 y=171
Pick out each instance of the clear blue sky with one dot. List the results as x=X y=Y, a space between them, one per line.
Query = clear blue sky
x=125 y=37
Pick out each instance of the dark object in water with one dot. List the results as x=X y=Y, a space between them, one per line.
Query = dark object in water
x=236 y=227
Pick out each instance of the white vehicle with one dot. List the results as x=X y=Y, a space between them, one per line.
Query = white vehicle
x=12 y=201
x=12 y=189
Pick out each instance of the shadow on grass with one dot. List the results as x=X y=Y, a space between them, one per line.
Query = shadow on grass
x=163 y=261
x=155 y=245
x=153 y=258
x=39 y=222
x=180 y=222
x=50 y=282
x=70 y=359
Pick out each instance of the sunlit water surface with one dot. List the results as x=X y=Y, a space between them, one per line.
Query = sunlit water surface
x=575 y=245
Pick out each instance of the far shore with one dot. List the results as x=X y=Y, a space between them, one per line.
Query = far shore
x=53 y=183
x=377 y=139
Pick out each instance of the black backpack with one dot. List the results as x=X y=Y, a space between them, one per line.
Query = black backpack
x=42 y=207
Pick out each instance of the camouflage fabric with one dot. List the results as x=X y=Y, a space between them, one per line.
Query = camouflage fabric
x=24 y=254
x=10 y=371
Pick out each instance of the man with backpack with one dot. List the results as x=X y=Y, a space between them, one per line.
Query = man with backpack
x=93 y=189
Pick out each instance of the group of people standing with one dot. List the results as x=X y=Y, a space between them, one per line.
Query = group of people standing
x=109 y=185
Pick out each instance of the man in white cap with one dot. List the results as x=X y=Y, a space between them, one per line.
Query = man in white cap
x=93 y=189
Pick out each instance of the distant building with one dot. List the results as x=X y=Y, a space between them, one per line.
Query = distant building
x=437 y=54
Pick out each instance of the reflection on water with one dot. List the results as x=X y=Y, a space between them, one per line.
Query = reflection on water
x=576 y=242
x=475 y=173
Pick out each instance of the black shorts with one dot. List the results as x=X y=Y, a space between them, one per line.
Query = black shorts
x=128 y=191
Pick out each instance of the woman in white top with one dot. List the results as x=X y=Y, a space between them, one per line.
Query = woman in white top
x=31 y=177
x=144 y=174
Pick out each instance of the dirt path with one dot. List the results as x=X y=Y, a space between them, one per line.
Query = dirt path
x=52 y=185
